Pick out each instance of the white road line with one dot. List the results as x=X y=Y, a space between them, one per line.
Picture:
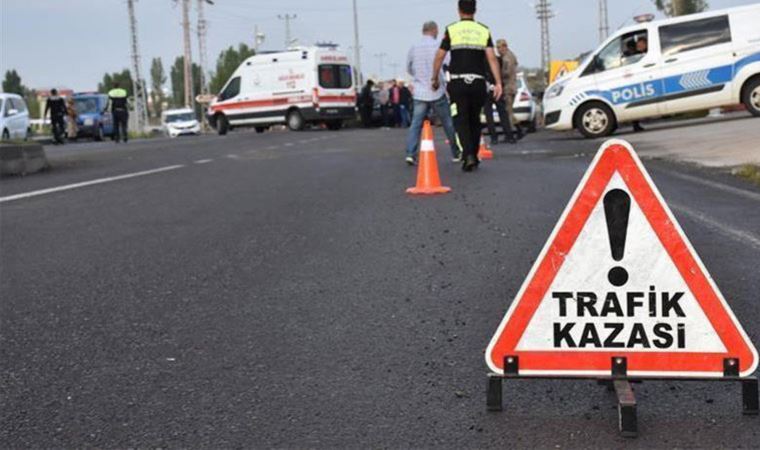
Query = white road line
x=273 y=147
x=233 y=156
x=69 y=187
x=288 y=144
x=203 y=161
x=713 y=184
x=733 y=233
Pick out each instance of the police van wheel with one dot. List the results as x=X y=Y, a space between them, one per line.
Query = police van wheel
x=295 y=120
x=752 y=97
x=222 y=125
x=595 y=120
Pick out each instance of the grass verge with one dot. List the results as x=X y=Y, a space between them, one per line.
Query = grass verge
x=750 y=173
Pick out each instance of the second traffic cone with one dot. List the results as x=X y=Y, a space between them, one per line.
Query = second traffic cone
x=428 y=179
x=484 y=152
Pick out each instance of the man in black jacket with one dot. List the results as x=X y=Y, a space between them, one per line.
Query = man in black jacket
x=57 y=107
x=366 y=104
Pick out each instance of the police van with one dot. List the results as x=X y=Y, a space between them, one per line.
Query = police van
x=661 y=68
x=296 y=87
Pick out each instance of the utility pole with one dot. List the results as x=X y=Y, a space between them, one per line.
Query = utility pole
x=202 y=55
x=604 y=25
x=357 y=48
x=138 y=85
x=544 y=13
x=188 y=75
x=288 y=38
x=258 y=39
x=380 y=57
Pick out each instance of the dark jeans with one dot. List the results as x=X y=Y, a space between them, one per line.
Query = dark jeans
x=58 y=125
x=467 y=102
x=506 y=124
x=120 y=119
x=366 y=114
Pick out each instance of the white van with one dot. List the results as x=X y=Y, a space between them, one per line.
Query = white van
x=660 y=68
x=180 y=122
x=295 y=87
x=14 y=117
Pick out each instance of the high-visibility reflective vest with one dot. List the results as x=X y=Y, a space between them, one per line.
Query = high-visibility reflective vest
x=117 y=93
x=118 y=98
x=468 y=34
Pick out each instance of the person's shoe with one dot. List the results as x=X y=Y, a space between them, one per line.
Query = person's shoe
x=637 y=127
x=470 y=163
x=456 y=159
x=511 y=140
x=411 y=161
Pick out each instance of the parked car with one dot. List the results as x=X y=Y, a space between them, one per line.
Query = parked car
x=14 y=117
x=311 y=85
x=660 y=68
x=524 y=107
x=92 y=118
x=180 y=122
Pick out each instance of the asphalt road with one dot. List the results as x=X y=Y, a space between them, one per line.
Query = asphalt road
x=281 y=290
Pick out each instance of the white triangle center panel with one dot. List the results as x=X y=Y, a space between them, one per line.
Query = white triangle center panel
x=632 y=317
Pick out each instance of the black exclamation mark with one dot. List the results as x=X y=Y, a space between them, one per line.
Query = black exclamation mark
x=617 y=207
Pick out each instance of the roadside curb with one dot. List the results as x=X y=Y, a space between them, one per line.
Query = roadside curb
x=22 y=159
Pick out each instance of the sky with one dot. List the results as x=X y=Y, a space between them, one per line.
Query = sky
x=72 y=43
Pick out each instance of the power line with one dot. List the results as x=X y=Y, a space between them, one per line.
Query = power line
x=138 y=84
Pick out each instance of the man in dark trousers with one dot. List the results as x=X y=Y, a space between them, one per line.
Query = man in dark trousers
x=366 y=104
x=56 y=105
x=120 y=111
x=472 y=54
x=501 y=108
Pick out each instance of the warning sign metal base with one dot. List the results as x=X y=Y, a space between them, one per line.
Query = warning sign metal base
x=619 y=382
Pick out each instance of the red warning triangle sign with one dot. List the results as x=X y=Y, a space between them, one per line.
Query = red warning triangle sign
x=618 y=278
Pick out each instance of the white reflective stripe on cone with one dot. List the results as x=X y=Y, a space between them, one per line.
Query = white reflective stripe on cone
x=427 y=146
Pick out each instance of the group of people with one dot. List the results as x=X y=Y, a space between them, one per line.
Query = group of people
x=61 y=108
x=476 y=77
x=394 y=101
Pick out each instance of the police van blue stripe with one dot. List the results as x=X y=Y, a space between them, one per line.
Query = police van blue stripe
x=697 y=82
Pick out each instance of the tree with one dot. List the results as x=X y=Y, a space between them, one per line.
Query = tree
x=177 y=75
x=229 y=60
x=12 y=83
x=157 y=82
x=124 y=78
x=674 y=8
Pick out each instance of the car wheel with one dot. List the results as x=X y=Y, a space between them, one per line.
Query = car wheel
x=295 y=120
x=261 y=129
x=6 y=135
x=222 y=125
x=99 y=134
x=28 y=134
x=595 y=120
x=752 y=97
x=335 y=125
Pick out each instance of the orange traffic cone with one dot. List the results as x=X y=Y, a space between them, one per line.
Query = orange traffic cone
x=484 y=152
x=428 y=179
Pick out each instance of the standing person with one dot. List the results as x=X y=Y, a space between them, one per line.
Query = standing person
x=419 y=64
x=509 y=78
x=56 y=105
x=71 y=112
x=501 y=108
x=406 y=105
x=384 y=98
x=472 y=55
x=366 y=104
x=119 y=109
x=395 y=96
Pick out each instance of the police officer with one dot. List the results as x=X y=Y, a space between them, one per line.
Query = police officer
x=472 y=55
x=56 y=105
x=120 y=111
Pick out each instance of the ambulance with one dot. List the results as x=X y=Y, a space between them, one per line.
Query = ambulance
x=297 y=87
x=661 y=68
